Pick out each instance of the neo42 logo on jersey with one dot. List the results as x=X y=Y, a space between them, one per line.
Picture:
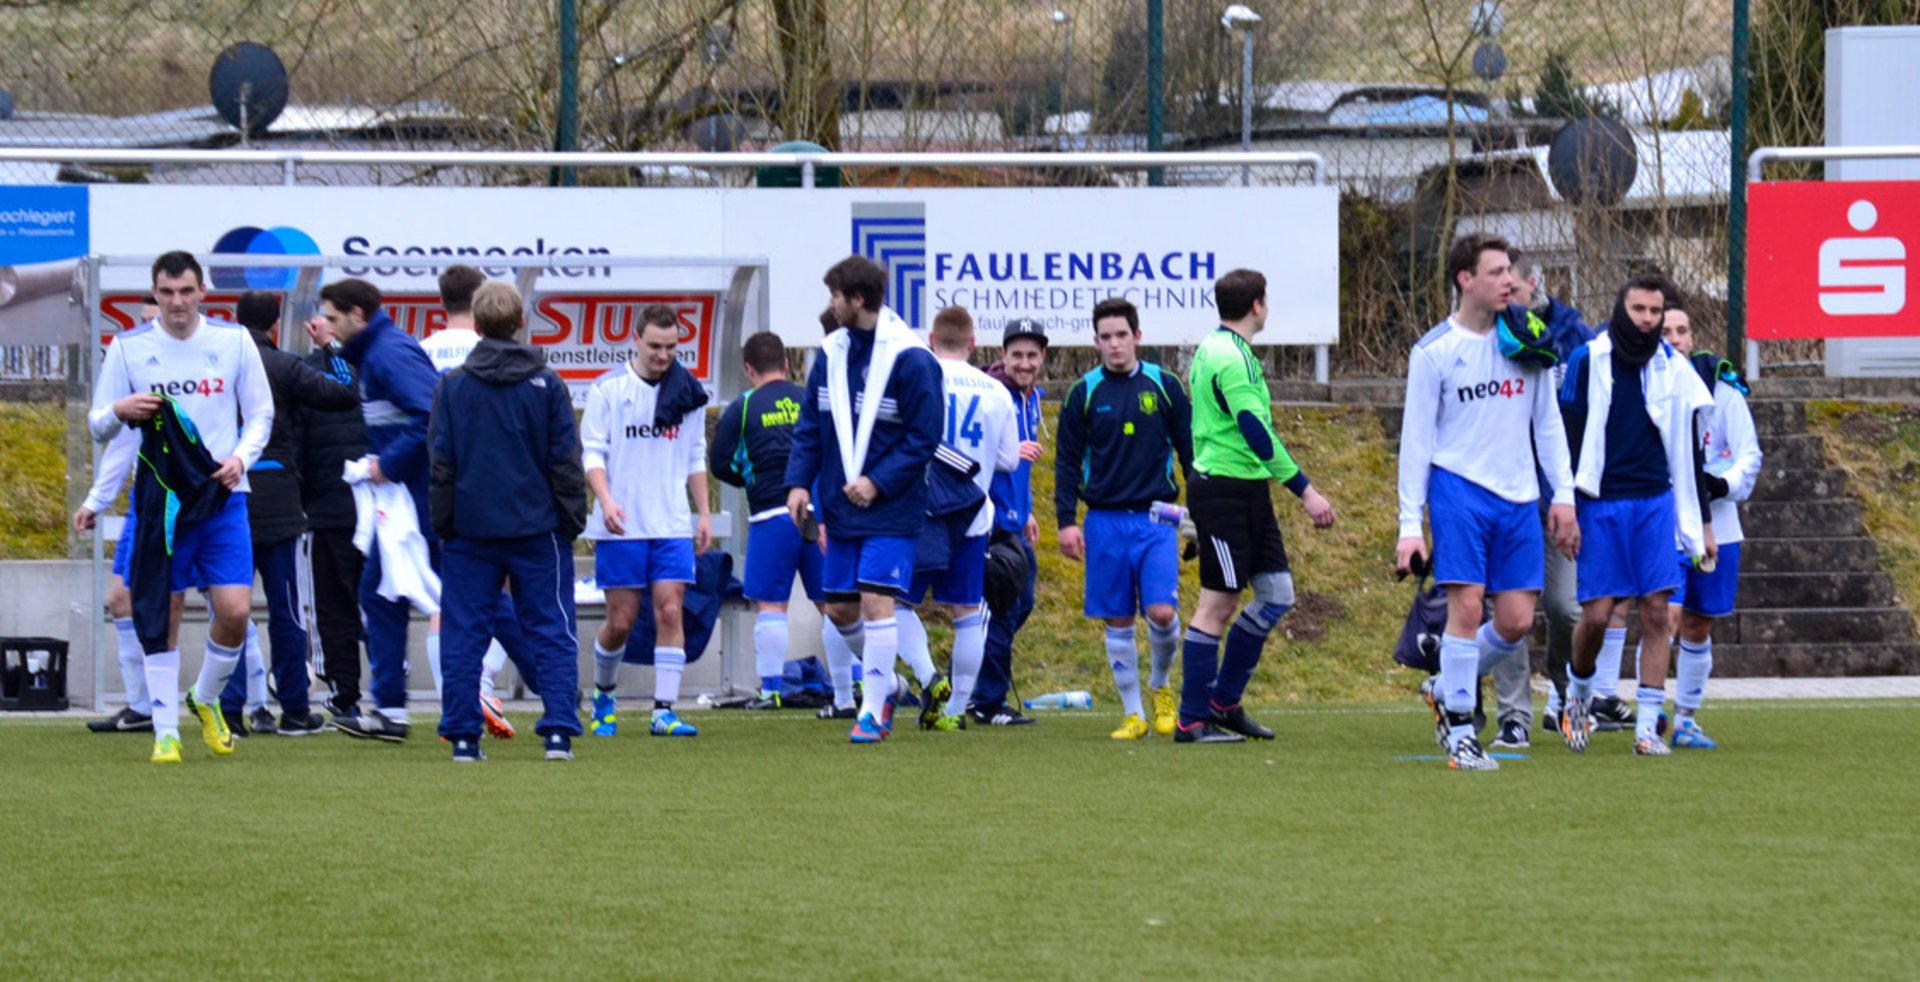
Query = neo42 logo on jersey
x=1507 y=388
x=190 y=387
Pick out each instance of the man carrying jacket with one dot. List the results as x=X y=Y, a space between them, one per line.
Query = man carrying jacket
x=508 y=498
x=275 y=515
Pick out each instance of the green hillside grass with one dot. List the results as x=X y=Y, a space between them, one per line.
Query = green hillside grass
x=1878 y=445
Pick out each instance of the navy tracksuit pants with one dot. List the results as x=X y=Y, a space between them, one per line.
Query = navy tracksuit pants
x=279 y=568
x=996 y=672
x=539 y=569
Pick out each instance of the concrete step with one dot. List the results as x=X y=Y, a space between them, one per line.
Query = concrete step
x=1368 y=392
x=1776 y=590
x=1781 y=484
x=1814 y=660
x=1841 y=554
x=1800 y=519
x=1778 y=418
x=1816 y=625
x=1795 y=451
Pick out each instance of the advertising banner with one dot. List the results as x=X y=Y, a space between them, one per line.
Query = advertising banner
x=43 y=234
x=1831 y=259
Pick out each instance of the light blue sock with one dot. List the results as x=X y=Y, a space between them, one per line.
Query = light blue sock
x=133 y=667
x=1579 y=689
x=1163 y=645
x=969 y=651
x=1124 y=658
x=843 y=646
x=1494 y=649
x=668 y=663
x=1646 y=712
x=1459 y=676
x=1606 y=667
x=914 y=648
x=606 y=668
x=770 y=650
x=256 y=670
x=1691 y=668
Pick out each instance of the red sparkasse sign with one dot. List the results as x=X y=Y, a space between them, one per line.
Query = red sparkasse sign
x=1830 y=259
x=583 y=334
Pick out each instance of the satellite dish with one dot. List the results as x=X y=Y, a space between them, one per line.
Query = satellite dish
x=249 y=87
x=1489 y=61
x=6 y=104
x=1593 y=162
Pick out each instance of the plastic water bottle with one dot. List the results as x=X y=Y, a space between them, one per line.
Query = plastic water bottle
x=1077 y=699
x=1167 y=513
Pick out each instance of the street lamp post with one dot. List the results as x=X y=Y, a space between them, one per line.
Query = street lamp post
x=1063 y=19
x=1241 y=18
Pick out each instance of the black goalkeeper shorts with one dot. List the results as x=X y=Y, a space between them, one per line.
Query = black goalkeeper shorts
x=1239 y=537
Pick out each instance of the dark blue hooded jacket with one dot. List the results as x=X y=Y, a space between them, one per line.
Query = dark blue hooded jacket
x=397 y=380
x=905 y=435
x=1568 y=333
x=505 y=448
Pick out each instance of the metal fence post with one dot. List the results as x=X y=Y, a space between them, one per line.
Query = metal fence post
x=1737 y=200
x=566 y=137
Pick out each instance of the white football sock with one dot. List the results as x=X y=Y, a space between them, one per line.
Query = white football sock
x=256 y=670
x=1163 y=646
x=915 y=650
x=1124 y=658
x=1606 y=668
x=843 y=646
x=1495 y=649
x=1646 y=712
x=969 y=652
x=490 y=666
x=606 y=667
x=133 y=667
x=163 y=685
x=668 y=664
x=769 y=646
x=1692 y=666
x=1459 y=681
x=433 y=662
x=882 y=648
x=215 y=670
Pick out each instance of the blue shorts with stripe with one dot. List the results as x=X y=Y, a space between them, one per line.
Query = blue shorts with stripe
x=1626 y=547
x=1482 y=539
x=776 y=553
x=1710 y=594
x=1133 y=563
x=630 y=564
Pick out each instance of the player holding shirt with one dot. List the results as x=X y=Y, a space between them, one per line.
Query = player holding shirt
x=1121 y=428
x=1478 y=386
x=645 y=439
x=1235 y=454
x=212 y=371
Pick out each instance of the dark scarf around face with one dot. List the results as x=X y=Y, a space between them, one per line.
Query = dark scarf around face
x=1630 y=343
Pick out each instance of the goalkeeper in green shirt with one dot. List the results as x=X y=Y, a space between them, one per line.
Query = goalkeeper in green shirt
x=1235 y=455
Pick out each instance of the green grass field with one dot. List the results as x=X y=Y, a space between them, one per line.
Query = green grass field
x=770 y=848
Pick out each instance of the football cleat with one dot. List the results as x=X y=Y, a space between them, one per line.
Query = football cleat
x=261 y=722
x=1166 y=710
x=1132 y=727
x=1205 y=733
x=1430 y=694
x=605 y=720
x=892 y=703
x=213 y=725
x=767 y=703
x=1467 y=756
x=304 y=724
x=124 y=721
x=934 y=696
x=836 y=712
x=495 y=715
x=372 y=725
x=1237 y=721
x=666 y=724
x=1513 y=736
x=166 y=750
x=1000 y=715
x=866 y=729
x=1576 y=726
x=950 y=724
x=1651 y=746
x=1611 y=714
x=559 y=746
x=1687 y=735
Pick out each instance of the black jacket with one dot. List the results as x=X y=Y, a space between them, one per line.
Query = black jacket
x=749 y=449
x=503 y=448
x=173 y=488
x=1119 y=437
x=326 y=440
x=274 y=510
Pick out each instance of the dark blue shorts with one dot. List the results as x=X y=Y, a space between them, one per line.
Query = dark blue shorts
x=1626 y=547
x=1482 y=539
x=963 y=582
x=1133 y=563
x=1710 y=594
x=123 y=549
x=775 y=554
x=630 y=564
x=875 y=564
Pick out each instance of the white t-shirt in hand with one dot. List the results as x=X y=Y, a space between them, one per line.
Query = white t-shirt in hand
x=980 y=423
x=1473 y=411
x=449 y=349
x=215 y=375
x=647 y=466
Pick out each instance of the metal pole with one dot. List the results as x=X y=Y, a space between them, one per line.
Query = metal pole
x=806 y=174
x=566 y=135
x=1066 y=74
x=1737 y=201
x=1246 y=105
x=1156 y=85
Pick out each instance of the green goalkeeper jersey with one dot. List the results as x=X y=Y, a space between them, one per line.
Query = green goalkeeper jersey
x=1233 y=415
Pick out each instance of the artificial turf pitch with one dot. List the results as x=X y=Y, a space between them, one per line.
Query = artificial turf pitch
x=769 y=847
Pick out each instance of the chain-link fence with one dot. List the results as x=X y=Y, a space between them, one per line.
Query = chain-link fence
x=1436 y=116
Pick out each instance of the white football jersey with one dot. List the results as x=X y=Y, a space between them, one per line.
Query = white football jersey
x=980 y=423
x=215 y=375
x=647 y=466
x=449 y=349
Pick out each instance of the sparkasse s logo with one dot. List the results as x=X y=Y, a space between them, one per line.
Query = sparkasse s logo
x=894 y=234
x=281 y=240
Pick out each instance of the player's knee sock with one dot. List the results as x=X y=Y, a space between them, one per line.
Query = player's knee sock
x=1495 y=649
x=1459 y=683
x=1124 y=658
x=1606 y=668
x=1691 y=669
x=882 y=648
x=1646 y=711
x=256 y=663
x=433 y=662
x=133 y=667
x=843 y=646
x=969 y=651
x=1245 y=641
x=490 y=666
x=163 y=684
x=915 y=650
x=606 y=667
x=770 y=650
x=668 y=665
x=1580 y=689
x=1200 y=661
x=1163 y=643
x=215 y=670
